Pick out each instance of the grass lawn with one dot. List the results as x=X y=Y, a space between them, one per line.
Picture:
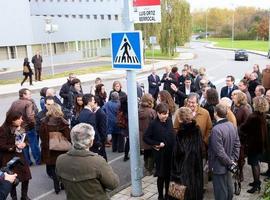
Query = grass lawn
x=241 y=44
x=159 y=55
x=63 y=74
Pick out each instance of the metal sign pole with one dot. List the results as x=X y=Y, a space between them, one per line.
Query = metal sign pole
x=135 y=164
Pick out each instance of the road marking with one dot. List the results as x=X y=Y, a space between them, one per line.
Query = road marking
x=44 y=195
x=52 y=191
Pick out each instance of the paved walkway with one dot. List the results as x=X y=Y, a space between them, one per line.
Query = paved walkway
x=150 y=189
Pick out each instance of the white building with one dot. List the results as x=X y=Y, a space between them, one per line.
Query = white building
x=84 y=28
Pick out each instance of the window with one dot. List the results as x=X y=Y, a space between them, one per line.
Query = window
x=58 y=0
x=66 y=16
x=80 y=16
x=3 y=53
x=88 y=16
x=102 y=17
x=109 y=17
x=59 y=15
x=12 y=52
x=74 y=16
x=95 y=16
x=116 y=17
x=22 y=52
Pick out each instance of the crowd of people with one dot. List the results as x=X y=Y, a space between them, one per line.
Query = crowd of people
x=189 y=134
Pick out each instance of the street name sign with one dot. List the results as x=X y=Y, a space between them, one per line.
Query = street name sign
x=146 y=11
x=127 y=50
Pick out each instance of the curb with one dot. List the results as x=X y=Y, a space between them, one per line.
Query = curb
x=229 y=49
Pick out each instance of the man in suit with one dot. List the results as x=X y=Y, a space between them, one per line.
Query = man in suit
x=183 y=91
x=37 y=61
x=227 y=90
x=168 y=78
x=154 y=83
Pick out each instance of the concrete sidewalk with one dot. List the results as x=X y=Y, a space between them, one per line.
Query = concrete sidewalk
x=149 y=186
x=113 y=74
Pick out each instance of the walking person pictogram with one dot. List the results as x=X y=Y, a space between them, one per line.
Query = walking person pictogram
x=126 y=47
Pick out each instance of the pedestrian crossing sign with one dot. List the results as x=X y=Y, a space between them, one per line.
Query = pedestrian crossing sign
x=127 y=50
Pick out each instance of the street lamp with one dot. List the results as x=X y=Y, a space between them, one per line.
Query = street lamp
x=50 y=28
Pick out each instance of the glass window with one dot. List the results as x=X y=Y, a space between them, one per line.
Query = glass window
x=12 y=52
x=22 y=52
x=88 y=16
x=3 y=53
x=95 y=16
x=116 y=17
x=102 y=17
x=109 y=17
x=67 y=16
x=81 y=16
x=73 y=16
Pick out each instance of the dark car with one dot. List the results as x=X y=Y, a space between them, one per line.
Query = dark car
x=241 y=55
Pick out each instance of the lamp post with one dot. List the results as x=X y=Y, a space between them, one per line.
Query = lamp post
x=50 y=28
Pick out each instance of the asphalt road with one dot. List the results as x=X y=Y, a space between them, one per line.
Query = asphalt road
x=218 y=63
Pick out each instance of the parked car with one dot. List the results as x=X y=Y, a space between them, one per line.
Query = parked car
x=241 y=55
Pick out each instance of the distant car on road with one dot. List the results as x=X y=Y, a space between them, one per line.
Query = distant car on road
x=241 y=55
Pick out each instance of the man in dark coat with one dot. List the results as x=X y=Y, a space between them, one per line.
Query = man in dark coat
x=154 y=83
x=37 y=61
x=227 y=90
x=252 y=84
x=6 y=185
x=224 y=148
x=101 y=125
x=88 y=116
x=168 y=78
x=65 y=89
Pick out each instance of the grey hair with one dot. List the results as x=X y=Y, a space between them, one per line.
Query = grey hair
x=226 y=101
x=192 y=95
x=115 y=96
x=82 y=135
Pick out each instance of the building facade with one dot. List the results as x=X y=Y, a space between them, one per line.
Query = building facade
x=84 y=28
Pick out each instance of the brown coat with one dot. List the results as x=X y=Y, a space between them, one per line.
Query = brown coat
x=51 y=124
x=27 y=108
x=202 y=119
x=146 y=115
x=8 y=151
x=231 y=117
x=266 y=78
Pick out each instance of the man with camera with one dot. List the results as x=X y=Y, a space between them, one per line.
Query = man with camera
x=224 y=147
x=6 y=184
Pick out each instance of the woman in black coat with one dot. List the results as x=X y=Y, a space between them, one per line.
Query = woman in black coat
x=27 y=71
x=255 y=128
x=160 y=135
x=187 y=163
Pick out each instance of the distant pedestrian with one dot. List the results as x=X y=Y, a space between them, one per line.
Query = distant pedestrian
x=252 y=84
x=224 y=147
x=42 y=97
x=256 y=69
x=168 y=78
x=101 y=93
x=160 y=135
x=93 y=87
x=75 y=89
x=27 y=71
x=165 y=97
x=37 y=61
x=153 y=84
x=78 y=107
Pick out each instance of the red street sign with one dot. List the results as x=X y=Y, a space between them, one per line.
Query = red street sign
x=146 y=3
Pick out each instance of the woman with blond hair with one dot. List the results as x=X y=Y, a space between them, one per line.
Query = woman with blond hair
x=146 y=115
x=241 y=110
x=165 y=97
x=255 y=128
x=53 y=122
x=187 y=161
x=117 y=87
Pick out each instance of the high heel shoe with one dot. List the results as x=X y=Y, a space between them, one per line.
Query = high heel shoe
x=256 y=188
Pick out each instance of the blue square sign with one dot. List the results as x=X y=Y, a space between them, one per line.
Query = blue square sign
x=127 y=50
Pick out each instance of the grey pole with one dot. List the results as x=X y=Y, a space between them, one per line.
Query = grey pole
x=51 y=54
x=135 y=164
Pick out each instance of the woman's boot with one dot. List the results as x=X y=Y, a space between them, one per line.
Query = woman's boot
x=25 y=190
x=56 y=185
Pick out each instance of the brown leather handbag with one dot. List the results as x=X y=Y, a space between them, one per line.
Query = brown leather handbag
x=57 y=142
x=25 y=69
x=177 y=190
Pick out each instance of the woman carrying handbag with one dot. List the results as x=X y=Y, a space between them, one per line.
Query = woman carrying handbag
x=27 y=71
x=52 y=125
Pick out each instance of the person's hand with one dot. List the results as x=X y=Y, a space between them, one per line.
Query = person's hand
x=174 y=88
x=20 y=145
x=10 y=178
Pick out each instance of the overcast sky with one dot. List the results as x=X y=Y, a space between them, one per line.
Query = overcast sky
x=202 y=4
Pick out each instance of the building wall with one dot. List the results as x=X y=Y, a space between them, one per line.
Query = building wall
x=84 y=28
